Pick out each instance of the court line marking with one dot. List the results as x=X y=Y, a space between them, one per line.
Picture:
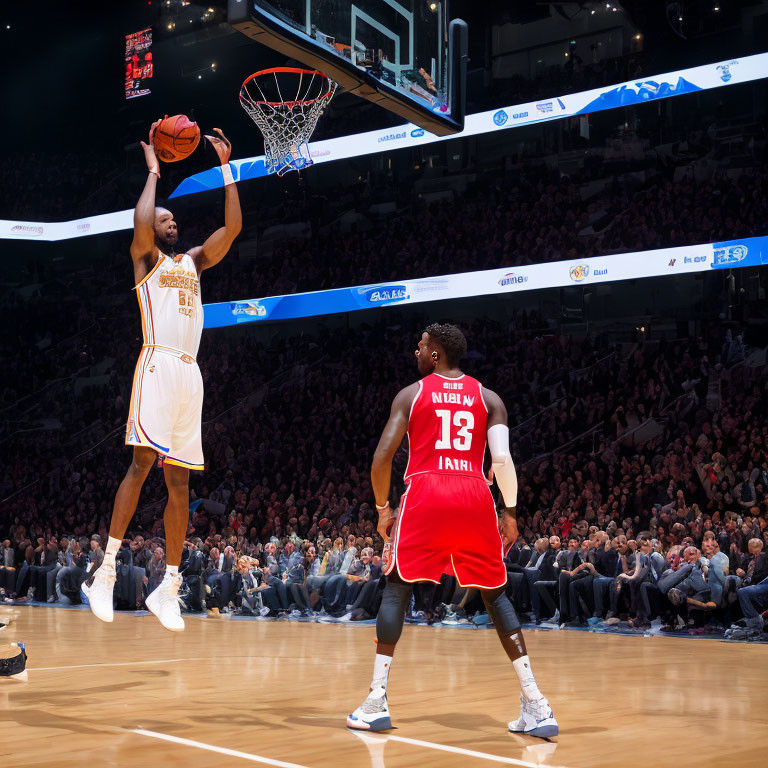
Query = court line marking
x=212 y=748
x=467 y=752
x=283 y=764
x=115 y=664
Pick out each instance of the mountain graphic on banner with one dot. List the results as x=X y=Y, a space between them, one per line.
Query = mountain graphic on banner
x=637 y=93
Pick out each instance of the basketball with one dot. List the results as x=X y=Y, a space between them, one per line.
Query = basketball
x=176 y=138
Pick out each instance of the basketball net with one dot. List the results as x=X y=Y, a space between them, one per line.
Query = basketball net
x=286 y=124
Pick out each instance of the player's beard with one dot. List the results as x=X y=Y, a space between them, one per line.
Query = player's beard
x=169 y=246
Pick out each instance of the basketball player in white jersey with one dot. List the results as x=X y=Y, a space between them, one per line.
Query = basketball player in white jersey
x=167 y=395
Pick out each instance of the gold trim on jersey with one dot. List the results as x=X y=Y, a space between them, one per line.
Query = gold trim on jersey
x=179 y=463
x=150 y=273
x=183 y=356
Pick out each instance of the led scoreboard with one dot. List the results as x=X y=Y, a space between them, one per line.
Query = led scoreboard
x=138 y=63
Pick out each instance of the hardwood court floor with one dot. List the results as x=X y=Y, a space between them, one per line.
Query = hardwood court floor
x=278 y=693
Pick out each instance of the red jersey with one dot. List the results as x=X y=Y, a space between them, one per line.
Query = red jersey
x=447 y=427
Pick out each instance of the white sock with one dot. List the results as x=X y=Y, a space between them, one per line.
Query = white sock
x=527 y=680
x=171 y=570
x=110 y=552
x=381 y=671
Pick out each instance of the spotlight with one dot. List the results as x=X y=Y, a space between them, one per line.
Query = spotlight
x=433 y=7
x=199 y=77
x=716 y=9
x=638 y=36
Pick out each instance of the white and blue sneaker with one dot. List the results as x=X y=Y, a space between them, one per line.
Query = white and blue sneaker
x=536 y=719
x=373 y=714
x=97 y=592
x=165 y=603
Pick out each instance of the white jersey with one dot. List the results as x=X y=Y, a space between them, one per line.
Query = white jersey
x=170 y=305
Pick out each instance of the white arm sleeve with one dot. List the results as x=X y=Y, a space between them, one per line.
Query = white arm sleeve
x=503 y=466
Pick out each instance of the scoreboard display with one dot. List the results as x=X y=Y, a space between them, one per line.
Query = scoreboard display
x=138 y=63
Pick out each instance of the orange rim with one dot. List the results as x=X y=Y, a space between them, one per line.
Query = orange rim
x=291 y=70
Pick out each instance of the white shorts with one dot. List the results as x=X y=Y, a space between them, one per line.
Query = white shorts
x=167 y=406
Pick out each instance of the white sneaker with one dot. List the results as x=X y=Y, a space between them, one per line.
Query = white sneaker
x=373 y=714
x=164 y=602
x=453 y=619
x=536 y=719
x=99 y=592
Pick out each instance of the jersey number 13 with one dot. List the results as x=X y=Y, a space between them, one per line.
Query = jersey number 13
x=464 y=421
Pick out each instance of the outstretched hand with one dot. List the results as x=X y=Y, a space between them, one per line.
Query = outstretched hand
x=149 y=150
x=385 y=522
x=221 y=144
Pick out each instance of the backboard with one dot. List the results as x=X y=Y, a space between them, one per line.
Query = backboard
x=405 y=55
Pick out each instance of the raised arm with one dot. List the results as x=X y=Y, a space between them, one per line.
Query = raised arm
x=143 y=245
x=502 y=465
x=391 y=437
x=215 y=248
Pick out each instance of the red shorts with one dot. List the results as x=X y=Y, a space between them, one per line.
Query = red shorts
x=448 y=524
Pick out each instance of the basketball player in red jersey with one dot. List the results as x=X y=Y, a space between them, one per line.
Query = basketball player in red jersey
x=447 y=521
x=167 y=396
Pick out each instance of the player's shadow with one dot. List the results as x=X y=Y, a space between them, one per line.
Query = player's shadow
x=38 y=718
x=583 y=729
x=80 y=697
x=312 y=717
x=244 y=720
x=457 y=720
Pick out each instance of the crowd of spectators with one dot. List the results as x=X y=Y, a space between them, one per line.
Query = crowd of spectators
x=628 y=450
x=580 y=575
x=653 y=454
x=526 y=216
x=56 y=186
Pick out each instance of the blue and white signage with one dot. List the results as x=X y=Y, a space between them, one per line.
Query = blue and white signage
x=748 y=252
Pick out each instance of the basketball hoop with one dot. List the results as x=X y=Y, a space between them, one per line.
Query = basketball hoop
x=286 y=124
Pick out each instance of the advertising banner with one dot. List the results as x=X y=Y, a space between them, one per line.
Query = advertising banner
x=66 y=230
x=662 y=262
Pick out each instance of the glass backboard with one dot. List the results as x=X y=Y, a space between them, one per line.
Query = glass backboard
x=403 y=54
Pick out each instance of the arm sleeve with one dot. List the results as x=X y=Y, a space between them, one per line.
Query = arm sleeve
x=503 y=466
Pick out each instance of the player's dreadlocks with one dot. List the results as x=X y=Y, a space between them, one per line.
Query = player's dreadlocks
x=451 y=339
